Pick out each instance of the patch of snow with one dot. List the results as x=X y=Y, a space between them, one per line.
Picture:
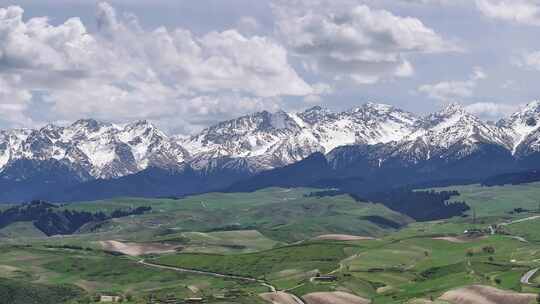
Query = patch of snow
x=4 y=159
x=99 y=154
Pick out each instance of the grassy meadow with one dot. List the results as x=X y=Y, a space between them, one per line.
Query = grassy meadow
x=269 y=235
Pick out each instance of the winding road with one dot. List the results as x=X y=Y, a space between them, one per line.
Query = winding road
x=207 y=273
x=273 y=289
x=521 y=220
x=527 y=277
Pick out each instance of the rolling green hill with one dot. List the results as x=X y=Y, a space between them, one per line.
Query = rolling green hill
x=285 y=215
x=270 y=235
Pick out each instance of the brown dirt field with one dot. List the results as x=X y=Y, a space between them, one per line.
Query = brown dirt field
x=279 y=298
x=337 y=297
x=458 y=239
x=7 y=268
x=89 y=286
x=450 y=239
x=136 y=249
x=478 y=294
x=342 y=237
x=420 y=301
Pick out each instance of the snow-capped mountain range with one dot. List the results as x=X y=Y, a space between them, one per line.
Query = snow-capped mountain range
x=266 y=140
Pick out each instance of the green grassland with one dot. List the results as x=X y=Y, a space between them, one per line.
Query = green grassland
x=225 y=242
x=285 y=215
x=94 y=272
x=498 y=201
x=268 y=235
x=270 y=264
x=21 y=292
x=388 y=271
x=21 y=230
x=530 y=230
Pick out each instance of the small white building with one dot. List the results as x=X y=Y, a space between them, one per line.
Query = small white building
x=110 y=299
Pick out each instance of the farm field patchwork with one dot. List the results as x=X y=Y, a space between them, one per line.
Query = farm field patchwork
x=314 y=249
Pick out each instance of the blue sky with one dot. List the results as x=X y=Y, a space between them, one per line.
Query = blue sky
x=187 y=64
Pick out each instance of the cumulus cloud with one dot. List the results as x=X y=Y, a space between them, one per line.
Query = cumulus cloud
x=123 y=71
x=355 y=41
x=453 y=90
x=519 y=11
x=14 y=102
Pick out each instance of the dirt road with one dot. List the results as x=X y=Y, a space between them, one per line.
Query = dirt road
x=208 y=273
x=527 y=277
x=281 y=297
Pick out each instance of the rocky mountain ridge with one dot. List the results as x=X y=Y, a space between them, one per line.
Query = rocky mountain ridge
x=264 y=140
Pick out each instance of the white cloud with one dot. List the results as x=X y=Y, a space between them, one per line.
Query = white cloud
x=491 y=110
x=519 y=11
x=123 y=71
x=478 y=74
x=453 y=90
x=357 y=42
x=448 y=90
x=319 y=89
x=14 y=101
x=527 y=60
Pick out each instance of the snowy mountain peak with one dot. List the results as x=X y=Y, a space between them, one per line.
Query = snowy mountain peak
x=523 y=127
x=453 y=109
x=281 y=120
x=143 y=127
x=314 y=114
x=451 y=131
x=533 y=106
x=140 y=123
x=88 y=123
x=315 y=109
x=376 y=107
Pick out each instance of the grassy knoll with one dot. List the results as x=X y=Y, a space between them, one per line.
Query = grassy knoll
x=317 y=257
x=224 y=242
x=530 y=229
x=21 y=230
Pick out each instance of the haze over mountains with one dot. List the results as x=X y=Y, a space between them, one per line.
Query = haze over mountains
x=55 y=162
